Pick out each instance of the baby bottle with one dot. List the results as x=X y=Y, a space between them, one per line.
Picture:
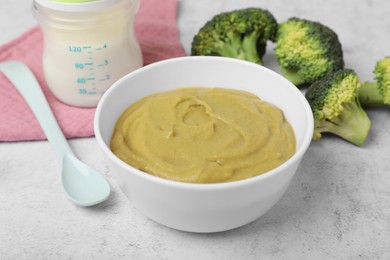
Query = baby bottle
x=88 y=45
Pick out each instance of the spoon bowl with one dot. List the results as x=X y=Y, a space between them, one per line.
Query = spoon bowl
x=83 y=190
x=82 y=184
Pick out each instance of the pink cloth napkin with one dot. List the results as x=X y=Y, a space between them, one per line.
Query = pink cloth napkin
x=156 y=30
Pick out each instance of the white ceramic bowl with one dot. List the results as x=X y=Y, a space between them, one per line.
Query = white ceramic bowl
x=204 y=207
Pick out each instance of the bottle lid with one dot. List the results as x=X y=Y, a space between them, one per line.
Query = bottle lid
x=77 y=5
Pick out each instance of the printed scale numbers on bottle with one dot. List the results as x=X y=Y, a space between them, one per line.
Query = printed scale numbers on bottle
x=91 y=71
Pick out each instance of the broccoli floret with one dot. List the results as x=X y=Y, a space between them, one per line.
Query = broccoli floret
x=377 y=92
x=241 y=34
x=336 y=108
x=306 y=50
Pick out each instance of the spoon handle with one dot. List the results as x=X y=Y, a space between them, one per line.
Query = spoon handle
x=25 y=82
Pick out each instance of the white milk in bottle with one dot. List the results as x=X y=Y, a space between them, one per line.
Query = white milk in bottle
x=88 y=45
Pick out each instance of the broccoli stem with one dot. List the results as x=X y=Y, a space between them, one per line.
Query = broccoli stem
x=369 y=94
x=244 y=49
x=249 y=45
x=352 y=124
x=292 y=76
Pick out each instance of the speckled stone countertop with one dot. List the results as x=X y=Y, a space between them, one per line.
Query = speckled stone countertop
x=337 y=207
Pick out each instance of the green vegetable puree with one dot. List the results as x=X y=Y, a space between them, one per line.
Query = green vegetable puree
x=203 y=135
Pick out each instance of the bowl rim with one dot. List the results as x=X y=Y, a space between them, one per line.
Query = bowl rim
x=206 y=186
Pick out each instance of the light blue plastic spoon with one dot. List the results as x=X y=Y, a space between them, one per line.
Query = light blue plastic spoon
x=82 y=184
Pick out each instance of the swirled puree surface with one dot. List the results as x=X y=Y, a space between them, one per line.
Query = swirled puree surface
x=203 y=135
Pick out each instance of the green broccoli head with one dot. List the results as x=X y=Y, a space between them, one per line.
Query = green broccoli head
x=378 y=92
x=241 y=34
x=336 y=108
x=306 y=50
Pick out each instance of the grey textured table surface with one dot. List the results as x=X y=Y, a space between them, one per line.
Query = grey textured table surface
x=337 y=207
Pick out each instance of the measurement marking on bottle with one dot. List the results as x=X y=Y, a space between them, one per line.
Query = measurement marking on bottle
x=101 y=48
x=79 y=66
x=105 y=63
x=90 y=81
x=74 y=49
x=84 y=80
x=106 y=77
